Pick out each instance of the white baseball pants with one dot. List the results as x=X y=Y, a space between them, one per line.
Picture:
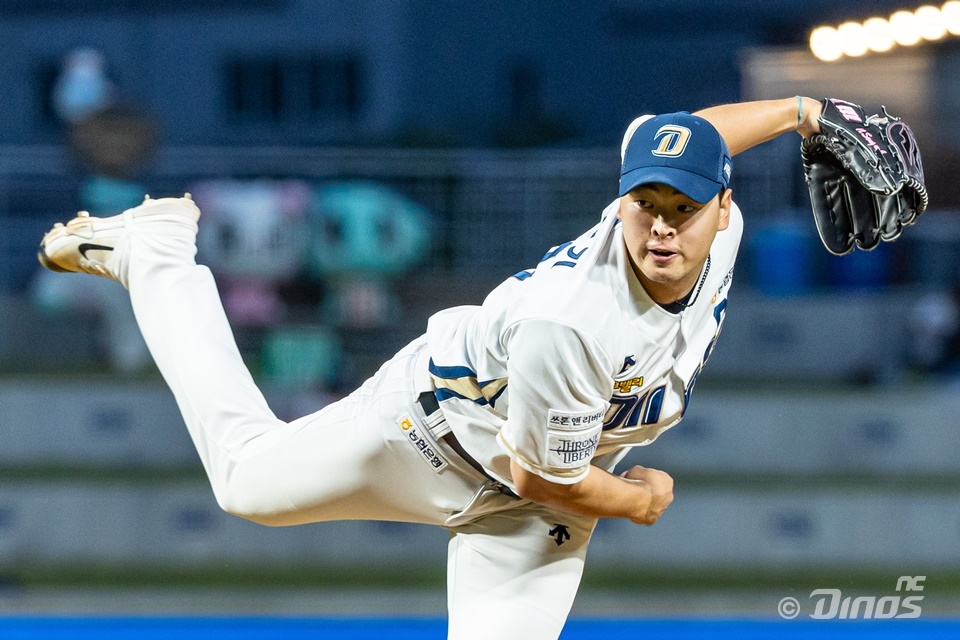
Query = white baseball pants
x=507 y=576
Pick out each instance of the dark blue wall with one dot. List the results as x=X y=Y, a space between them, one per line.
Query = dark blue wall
x=497 y=72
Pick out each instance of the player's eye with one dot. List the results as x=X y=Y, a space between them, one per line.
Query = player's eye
x=687 y=208
x=644 y=204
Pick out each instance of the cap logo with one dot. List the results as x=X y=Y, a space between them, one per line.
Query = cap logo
x=673 y=140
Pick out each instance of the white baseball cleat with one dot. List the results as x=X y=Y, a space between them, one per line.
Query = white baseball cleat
x=86 y=243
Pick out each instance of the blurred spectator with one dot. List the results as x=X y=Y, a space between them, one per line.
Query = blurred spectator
x=935 y=332
x=111 y=139
x=111 y=146
x=111 y=142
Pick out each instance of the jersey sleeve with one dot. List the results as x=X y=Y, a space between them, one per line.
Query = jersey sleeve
x=559 y=390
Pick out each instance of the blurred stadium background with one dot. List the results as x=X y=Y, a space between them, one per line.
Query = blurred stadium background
x=362 y=165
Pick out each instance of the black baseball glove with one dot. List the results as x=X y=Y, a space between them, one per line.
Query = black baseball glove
x=864 y=175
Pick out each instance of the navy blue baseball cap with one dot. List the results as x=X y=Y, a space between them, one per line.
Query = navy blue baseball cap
x=680 y=150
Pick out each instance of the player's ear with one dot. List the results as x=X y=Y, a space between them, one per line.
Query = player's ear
x=726 y=202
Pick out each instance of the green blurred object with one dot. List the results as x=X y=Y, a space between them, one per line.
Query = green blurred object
x=304 y=356
x=106 y=196
x=360 y=228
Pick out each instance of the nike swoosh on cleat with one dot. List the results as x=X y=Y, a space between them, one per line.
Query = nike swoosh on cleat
x=87 y=246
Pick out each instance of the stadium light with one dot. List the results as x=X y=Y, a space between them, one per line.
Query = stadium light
x=950 y=12
x=852 y=39
x=877 y=34
x=906 y=30
x=879 y=37
x=930 y=23
x=825 y=44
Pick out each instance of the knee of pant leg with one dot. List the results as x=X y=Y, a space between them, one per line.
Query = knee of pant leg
x=253 y=510
x=254 y=503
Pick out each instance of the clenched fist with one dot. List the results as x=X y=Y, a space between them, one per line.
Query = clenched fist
x=660 y=485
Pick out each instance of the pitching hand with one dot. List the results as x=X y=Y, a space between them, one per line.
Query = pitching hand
x=660 y=485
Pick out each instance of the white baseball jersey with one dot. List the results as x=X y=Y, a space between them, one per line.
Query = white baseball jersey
x=572 y=362
x=560 y=367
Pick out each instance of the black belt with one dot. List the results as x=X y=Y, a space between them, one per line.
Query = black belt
x=428 y=402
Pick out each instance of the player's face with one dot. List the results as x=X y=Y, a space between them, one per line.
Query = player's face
x=668 y=237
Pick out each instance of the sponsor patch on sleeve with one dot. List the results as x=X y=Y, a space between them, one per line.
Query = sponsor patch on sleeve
x=562 y=421
x=572 y=438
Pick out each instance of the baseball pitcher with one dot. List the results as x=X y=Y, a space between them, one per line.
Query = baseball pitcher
x=504 y=422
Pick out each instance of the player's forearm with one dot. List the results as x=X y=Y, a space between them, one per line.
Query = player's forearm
x=747 y=124
x=598 y=495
